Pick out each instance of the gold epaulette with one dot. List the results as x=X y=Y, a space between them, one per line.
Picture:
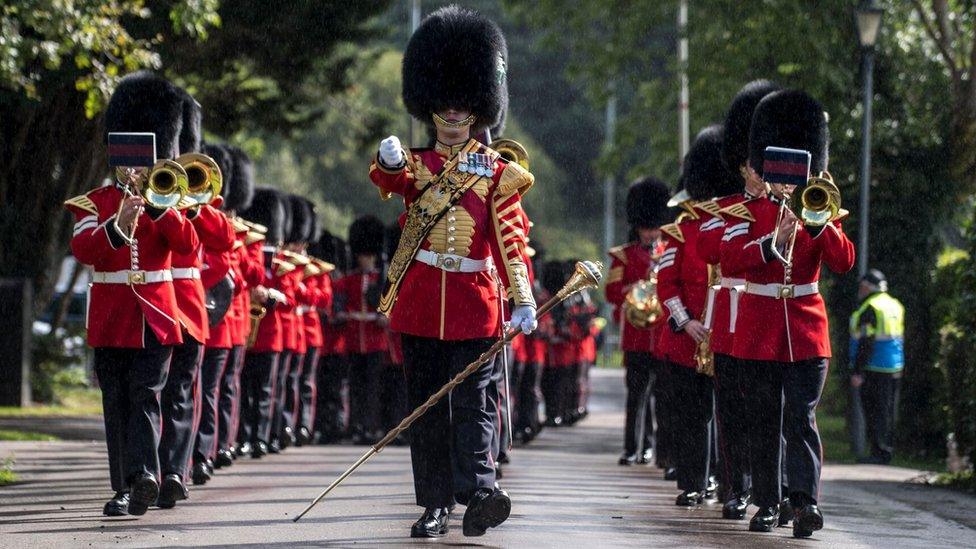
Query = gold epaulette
x=253 y=237
x=324 y=266
x=710 y=207
x=674 y=231
x=514 y=178
x=282 y=266
x=312 y=270
x=620 y=253
x=739 y=210
x=295 y=259
x=238 y=225
x=82 y=202
x=238 y=244
x=256 y=227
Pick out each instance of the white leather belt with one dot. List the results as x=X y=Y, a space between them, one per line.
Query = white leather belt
x=729 y=283
x=783 y=291
x=132 y=277
x=186 y=274
x=362 y=316
x=454 y=263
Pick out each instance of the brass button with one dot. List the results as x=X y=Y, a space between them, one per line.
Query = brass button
x=452 y=219
x=452 y=229
x=453 y=209
x=451 y=239
x=450 y=250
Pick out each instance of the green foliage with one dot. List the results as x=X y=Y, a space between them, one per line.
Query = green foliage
x=964 y=481
x=7 y=475
x=56 y=366
x=11 y=435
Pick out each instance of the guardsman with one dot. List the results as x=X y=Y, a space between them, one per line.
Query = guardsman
x=631 y=264
x=530 y=357
x=330 y=424
x=463 y=220
x=560 y=351
x=682 y=287
x=364 y=329
x=265 y=337
x=730 y=406
x=394 y=393
x=781 y=328
x=877 y=357
x=287 y=277
x=133 y=321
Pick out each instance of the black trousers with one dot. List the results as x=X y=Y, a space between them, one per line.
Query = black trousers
x=257 y=395
x=281 y=381
x=495 y=399
x=694 y=405
x=330 y=416
x=558 y=389
x=450 y=445
x=528 y=396
x=308 y=390
x=782 y=399
x=131 y=380
x=879 y=395
x=178 y=402
x=641 y=372
x=211 y=376
x=731 y=421
x=665 y=421
x=229 y=413
x=290 y=410
x=365 y=382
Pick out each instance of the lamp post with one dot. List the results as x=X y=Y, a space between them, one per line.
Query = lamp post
x=868 y=27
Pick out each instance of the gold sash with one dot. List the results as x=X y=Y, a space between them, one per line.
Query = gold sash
x=442 y=192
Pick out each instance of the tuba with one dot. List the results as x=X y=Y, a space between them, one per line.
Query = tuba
x=511 y=150
x=204 y=179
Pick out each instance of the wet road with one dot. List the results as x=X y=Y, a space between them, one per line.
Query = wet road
x=566 y=488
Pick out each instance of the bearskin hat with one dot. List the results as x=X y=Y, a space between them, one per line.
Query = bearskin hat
x=147 y=102
x=268 y=209
x=316 y=230
x=703 y=173
x=331 y=248
x=735 y=142
x=191 y=132
x=242 y=190
x=647 y=203
x=301 y=219
x=456 y=58
x=366 y=236
x=790 y=119
x=226 y=163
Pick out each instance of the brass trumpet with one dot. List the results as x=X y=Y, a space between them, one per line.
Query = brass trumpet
x=204 y=179
x=511 y=150
x=820 y=200
x=256 y=313
x=165 y=185
x=641 y=305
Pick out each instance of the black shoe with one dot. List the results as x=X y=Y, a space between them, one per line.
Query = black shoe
x=499 y=474
x=764 y=519
x=503 y=457
x=554 y=421
x=143 y=492
x=785 y=512
x=287 y=438
x=170 y=491
x=646 y=457
x=244 y=449
x=225 y=458
x=735 y=507
x=235 y=451
x=807 y=520
x=689 y=498
x=200 y=474
x=711 y=488
x=304 y=437
x=118 y=506
x=627 y=459
x=670 y=473
x=432 y=524
x=259 y=450
x=486 y=509
x=274 y=447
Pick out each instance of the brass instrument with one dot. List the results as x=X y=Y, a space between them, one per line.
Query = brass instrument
x=820 y=200
x=641 y=305
x=256 y=313
x=704 y=357
x=786 y=203
x=166 y=185
x=511 y=150
x=204 y=179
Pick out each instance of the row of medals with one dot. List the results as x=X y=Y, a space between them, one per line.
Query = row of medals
x=477 y=163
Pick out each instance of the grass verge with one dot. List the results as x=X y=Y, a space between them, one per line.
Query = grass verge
x=74 y=402
x=837 y=446
x=965 y=481
x=9 y=434
x=7 y=474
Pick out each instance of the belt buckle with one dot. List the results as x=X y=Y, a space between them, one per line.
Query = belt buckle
x=448 y=263
x=786 y=291
x=137 y=277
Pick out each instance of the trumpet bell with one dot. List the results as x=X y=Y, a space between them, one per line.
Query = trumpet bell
x=820 y=200
x=511 y=150
x=204 y=179
x=166 y=185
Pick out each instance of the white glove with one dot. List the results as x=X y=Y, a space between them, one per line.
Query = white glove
x=391 y=152
x=523 y=317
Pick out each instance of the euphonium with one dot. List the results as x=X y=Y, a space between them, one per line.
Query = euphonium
x=204 y=179
x=820 y=200
x=165 y=185
x=511 y=150
x=641 y=305
x=257 y=313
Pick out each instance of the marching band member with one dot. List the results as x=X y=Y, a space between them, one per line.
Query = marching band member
x=459 y=224
x=560 y=351
x=133 y=320
x=530 y=357
x=781 y=329
x=630 y=264
x=330 y=414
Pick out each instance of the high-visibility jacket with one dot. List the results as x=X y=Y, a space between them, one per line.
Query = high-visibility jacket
x=887 y=330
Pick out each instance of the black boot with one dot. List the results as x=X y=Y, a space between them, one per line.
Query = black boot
x=259 y=450
x=807 y=520
x=432 y=524
x=224 y=459
x=627 y=459
x=646 y=456
x=711 y=488
x=118 y=506
x=244 y=449
x=170 y=491
x=143 y=491
x=689 y=498
x=785 y=513
x=304 y=437
x=764 y=519
x=735 y=507
x=486 y=509
x=670 y=473
x=200 y=474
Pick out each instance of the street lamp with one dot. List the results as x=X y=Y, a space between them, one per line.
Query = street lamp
x=868 y=26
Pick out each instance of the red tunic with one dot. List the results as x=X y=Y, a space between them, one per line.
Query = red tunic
x=630 y=264
x=709 y=246
x=682 y=283
x=774 y=329
x=252 y=275
x=270 y=336
x=117 y=313
x=487 y=222
x=363 y=331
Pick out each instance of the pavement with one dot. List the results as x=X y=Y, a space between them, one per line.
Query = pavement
x=566 y=487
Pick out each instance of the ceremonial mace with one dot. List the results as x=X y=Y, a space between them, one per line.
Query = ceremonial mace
x=587 y=275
